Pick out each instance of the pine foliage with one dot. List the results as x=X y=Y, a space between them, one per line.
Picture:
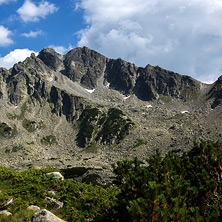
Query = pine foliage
x=173 y=188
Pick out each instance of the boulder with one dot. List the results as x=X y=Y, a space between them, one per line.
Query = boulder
x=5 y=213
x=33 y=208
x=56 y=175
x=45 y=216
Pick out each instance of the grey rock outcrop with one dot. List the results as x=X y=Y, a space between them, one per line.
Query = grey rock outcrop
x=33 y=208
x=84 y=66
x=51 y=58
x=45 y=216
x=216 y=93
x=5 y=213
x=121 y=75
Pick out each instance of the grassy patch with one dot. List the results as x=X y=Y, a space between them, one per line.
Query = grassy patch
x=30 y=143
x=140 y=142
x=166 y=99
x=7 y=131
x=48 y=140
x=29 y=125
x=92 y=148
x=14 y=148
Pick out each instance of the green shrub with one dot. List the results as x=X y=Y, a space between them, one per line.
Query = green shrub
x=82 y=202
x=173 y=188
x=7 y=131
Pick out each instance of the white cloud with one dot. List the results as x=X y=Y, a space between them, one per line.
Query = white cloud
x=29 y=12
x=61 y=49
x=6 y=1
x=32 y=34
x=15 y=56
x=5 y=34
x=182 y=36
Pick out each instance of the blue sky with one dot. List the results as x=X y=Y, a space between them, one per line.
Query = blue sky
x=184 y=36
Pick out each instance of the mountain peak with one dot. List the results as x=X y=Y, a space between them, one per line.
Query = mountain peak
x=51 y=58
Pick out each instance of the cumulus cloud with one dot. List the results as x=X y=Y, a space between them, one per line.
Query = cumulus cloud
x=5 y=34
x=29 y=12
x=61 y=49
x=183 y=36
x=6 y=1
x=32 y=34
x=15 y=56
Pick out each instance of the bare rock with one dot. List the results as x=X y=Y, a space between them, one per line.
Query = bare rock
x=45 y=216
x=33 y=208
x=51 y=58
x=5 y=213
x=84 y=66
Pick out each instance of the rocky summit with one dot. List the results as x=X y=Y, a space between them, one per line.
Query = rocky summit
x=83 y=109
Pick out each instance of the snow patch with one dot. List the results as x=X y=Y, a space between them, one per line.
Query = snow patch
x=185 y=111
x=90 y=90
x=149 y=106
x=126 y=97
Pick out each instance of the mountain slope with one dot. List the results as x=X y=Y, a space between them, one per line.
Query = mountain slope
x=83 y=109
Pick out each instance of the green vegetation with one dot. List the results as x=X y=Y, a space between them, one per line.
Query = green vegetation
x=82 y=202
x=92 y=148
x=186 y=188
x=166 y=99
x=29 y=125
x=140 y=142
x=7 y=131
x=189 y=93
x=48 y=140
x=102 y=127
x=115 y=125
x=171 y=188
x=87 y=126
x=24 y=108
x=14 y=148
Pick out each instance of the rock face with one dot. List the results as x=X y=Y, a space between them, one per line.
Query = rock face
x=45 y=216
x=52 y=59
x=84 y=66
x=150 y=82
x=216 y=93
x=85 y=110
